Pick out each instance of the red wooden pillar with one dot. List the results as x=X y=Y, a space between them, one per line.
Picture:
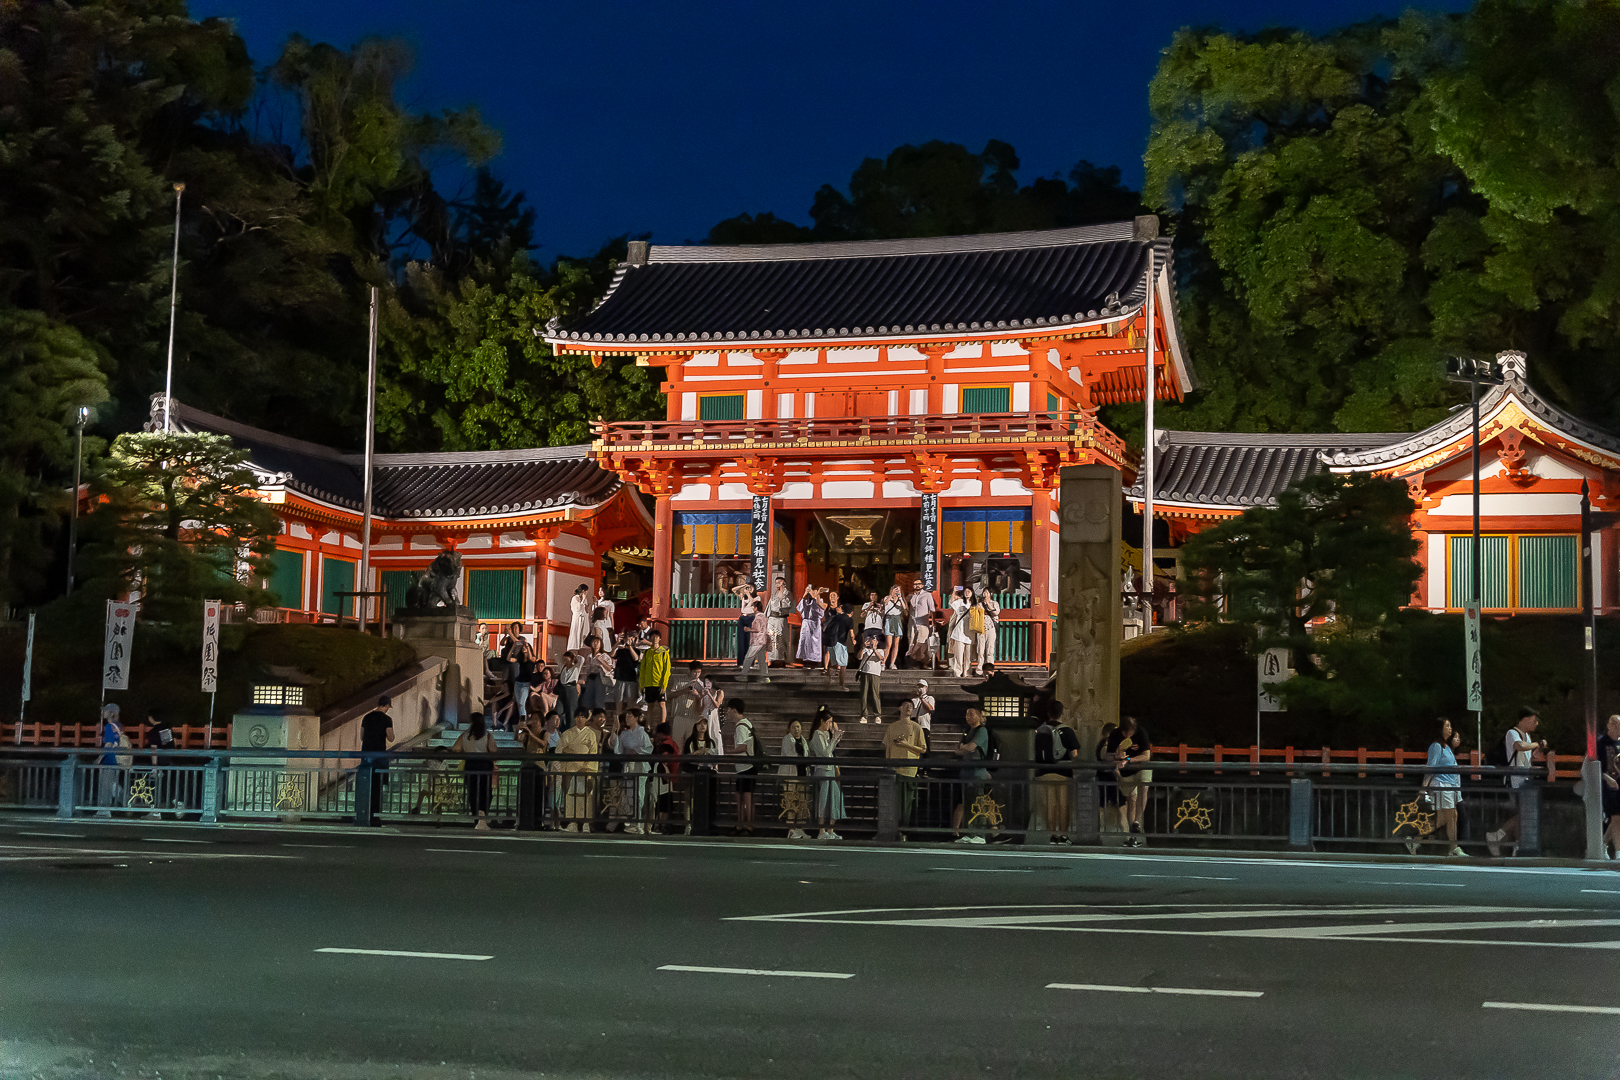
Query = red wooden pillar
x=1040 y=554
x=663 y=558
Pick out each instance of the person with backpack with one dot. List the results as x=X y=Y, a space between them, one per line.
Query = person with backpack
x=664 y=783
x=1055 y=744
x=974 y=750
x=745 y=743
x=1517 y=748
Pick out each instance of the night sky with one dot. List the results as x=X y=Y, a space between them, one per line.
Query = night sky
x=666 y=118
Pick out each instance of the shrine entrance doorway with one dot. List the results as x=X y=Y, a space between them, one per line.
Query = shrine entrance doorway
x=852 y=552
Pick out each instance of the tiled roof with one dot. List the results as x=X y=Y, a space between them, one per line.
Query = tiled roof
x=1208 y=469
x=483 y=484
x=889 y=288
x=1515 y=386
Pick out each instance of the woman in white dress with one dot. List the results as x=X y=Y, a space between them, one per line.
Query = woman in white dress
x=777 y=611
x=579 y=621
x=829 y=793
x=602 y=626
x=957 y=639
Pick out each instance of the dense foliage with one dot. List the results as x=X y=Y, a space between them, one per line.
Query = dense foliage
x=1351 y=207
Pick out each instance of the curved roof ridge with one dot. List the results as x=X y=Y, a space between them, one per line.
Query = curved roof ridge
x=919 y=245
x=571 y=452
x=1289 y=438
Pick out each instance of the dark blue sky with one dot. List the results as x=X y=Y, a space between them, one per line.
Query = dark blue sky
x=665 y=117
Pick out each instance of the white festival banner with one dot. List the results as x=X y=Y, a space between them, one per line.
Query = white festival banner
x=210 y=646
x=118 y=645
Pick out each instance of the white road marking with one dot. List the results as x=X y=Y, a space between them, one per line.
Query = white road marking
x=760 y=971
x=1186 y=990
x=1186 y=877
x=980 y=870
x=172 y=840
x=1529 y=1006
x=1417 y=884
x=413 y=955
x=54 y=835
x=465 y=851
x=627 y=856
x=332 y=846
x=1611 y=892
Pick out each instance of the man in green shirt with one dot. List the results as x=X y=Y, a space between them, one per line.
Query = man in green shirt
x=655 y=677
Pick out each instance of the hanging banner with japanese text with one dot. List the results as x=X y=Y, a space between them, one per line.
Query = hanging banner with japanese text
x=1473 y=678
x=116 y=648
x=760 y=561
x=1273 y=669
x=930 y=542
x=210 y=646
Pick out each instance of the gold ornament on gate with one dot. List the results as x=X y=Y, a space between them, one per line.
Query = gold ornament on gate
x=1192 y=809
x=795 y=802
x=1412 y=816
x=986 y=809
x=614 y=798
x=140 y=792
x=290 y=793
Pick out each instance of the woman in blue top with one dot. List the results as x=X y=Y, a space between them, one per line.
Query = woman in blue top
x=1444 y=787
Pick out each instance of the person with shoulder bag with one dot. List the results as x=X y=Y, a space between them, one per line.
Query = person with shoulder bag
x=1443 y=789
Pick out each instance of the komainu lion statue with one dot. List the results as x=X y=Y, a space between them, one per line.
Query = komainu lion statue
x=436 y=587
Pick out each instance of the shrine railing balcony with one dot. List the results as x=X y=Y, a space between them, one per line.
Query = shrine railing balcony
x=927 y=430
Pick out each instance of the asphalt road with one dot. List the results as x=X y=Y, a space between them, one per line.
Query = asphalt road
x=175 y=951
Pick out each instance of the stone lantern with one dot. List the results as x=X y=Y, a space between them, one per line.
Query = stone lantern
x=276 y=718
x=1005 y=701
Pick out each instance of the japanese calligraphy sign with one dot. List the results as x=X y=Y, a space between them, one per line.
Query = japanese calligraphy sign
x=760 y=561
x=1473 y=678
x=210 y=646
x=930 y=542
x=1273 y=669
x=28 y=663
x=116 y=648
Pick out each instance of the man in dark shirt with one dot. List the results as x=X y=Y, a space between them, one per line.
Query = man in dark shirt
x=159 y=735
x=836 y=631
x=376 y=734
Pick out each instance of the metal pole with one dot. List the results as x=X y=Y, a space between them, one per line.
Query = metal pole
x=371 y=427
x=1589 y=602
x=1473 y=397
x=1147 y=460
x=78 y=472
x=174 y=293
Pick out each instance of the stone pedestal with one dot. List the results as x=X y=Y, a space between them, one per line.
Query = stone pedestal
x=283 y=786
x=450 y=634
x=1089 y=602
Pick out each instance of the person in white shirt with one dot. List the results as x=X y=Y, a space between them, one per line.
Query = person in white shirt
x=1519 y=747
x=894 y=625
x=777 y=611
x=921 y=605
x=579 y=617
x=922 y=706
x=957 y=637
x=984 y=647
x=634 y=742
x=706 y=701
x=746 y=744
x=870 y=676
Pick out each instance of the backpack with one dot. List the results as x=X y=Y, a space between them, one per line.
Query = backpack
x=992 y=751
x=976 y=619
x=1497 y=755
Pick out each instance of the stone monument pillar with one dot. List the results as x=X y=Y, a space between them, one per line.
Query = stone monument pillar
x=1089 y=603
x=449 y=632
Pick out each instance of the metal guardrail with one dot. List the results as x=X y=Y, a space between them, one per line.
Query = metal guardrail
x=1301 y=806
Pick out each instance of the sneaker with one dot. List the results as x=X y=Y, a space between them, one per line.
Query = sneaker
x=154 y=816
x=572 y=826
x=1063 y=840
x=585 y=828
x=975 y=839
x=1411 y=847
x=482 y=826
x=796 y=834
x=1457 y=853
x=829 y=835
x=1493 y=843
x=104 y=813
x=864 y=720
x=964 y=839
x=1054 y=839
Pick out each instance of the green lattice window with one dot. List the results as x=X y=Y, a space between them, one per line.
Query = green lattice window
x=337 y=576
x=1530 y=572
x=496 y=594
x=1548 y=572
x=286 y=580
x=722 y=407
x=986 y=399
x=395 y=583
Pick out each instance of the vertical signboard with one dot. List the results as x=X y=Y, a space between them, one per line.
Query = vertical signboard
x=28 y=679
x=930 y=542
x=1473 y=678
x=1273 y=670
x=760 y=552
x=115 y=649
x=210 y=646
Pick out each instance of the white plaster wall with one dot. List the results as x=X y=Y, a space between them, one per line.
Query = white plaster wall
x=1437 y=570
x=784 y=406
x=919 y=402
x=963 y=352
x=735 y=491
x=798 y=490
x=1006 y=486
x=848 y=489
x=899 y=489
x=1020 y=397
x=949 y=404
x=1512 y=504
x=755 y=408
x=1007 y=348
x=690 y=491
x=689 y=406
x=905 y=354
x=964 y=488
x=894 y=402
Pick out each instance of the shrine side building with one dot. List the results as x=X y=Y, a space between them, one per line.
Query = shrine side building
x=859 y=415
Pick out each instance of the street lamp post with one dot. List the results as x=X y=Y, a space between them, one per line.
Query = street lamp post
x=174 y=295
x=1475 y=373
x=78 y=471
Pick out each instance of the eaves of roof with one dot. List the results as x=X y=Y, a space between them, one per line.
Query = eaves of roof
x=1197 y=468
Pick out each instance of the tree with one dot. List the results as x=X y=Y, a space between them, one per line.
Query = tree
x=1334 y=547
x=1351 y=207
x=182 y=522
x=47 y=371
x=469 y=370
x=942 y=189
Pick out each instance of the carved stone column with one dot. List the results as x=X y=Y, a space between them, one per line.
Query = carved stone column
x=1088 y=625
